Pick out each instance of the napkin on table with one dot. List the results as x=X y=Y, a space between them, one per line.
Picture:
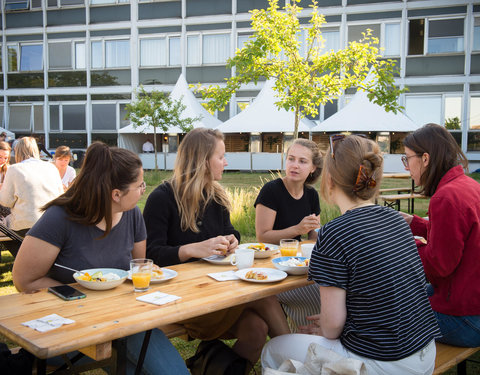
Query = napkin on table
x=223 y=276
x=47 y=323
x=158 y=298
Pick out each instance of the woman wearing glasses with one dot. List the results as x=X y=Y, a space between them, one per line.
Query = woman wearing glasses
x=450 y=257
x=289 y=207
x=188 y=218
x=372 y=289
x=95 y=223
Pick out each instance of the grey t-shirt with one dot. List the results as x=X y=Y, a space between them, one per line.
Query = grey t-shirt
x=80 y=245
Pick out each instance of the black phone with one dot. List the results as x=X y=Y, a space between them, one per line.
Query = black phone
x=66 y=292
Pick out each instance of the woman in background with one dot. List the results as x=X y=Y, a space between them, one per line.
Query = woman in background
x=289 y=207
x=62 y=159
x=29 y=184
x=372 y=286
x=95 y=223
x=451 y=256
x=188 y=218
x=4 y=164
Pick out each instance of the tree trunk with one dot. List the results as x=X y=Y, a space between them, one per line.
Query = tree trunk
x=297 y=120
x=155 y=146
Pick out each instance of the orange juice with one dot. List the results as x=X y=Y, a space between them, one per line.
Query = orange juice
x=288 y=251
x=141 y=280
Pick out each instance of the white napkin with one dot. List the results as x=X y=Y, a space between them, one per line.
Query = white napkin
x=223 y=276
x=47 y=323
x=158 y=298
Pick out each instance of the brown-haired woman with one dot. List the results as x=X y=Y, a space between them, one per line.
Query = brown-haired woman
x=188 y=218
x=95 y=223
x=450 y=257
x=372 y=288
x=61 y=159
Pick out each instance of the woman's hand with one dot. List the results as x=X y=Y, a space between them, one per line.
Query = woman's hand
x=219 y=245
x=312 y=329
x=408 y=218
x=308 y=224
x=233 y=243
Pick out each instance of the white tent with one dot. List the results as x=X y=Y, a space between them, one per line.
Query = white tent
x=263 y=116
x=133 y=139
x=361 y=115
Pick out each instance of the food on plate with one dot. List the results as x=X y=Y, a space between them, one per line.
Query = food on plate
x=99 y=276
x=295 y=262
x=258 y=247
x=254 y=275
x=157 y=272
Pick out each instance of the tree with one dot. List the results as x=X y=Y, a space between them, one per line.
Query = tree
x=158 y=110
x=304 y=82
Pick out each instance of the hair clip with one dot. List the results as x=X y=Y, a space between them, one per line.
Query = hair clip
x=363 y=181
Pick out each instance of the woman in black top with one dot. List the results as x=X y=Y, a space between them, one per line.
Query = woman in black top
x=188 y=218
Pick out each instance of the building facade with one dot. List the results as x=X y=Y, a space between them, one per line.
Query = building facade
x=69 y=67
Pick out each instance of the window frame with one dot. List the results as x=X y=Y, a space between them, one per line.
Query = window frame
x=201 y=35
x=167 y=38
x=60 y=116
x=73 y=54
x=18 y=46
x=103 y=41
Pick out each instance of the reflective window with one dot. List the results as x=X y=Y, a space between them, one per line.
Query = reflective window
x=60 y=55
x=12 y=58
x=16 y=4
x=54 y=120
x=30 y=56
x=117 y=53
x=392 y=39
x=124 y=120
x=80 y=56
x=453 y=112
x=331 y=40
x=73 y=117
x=20 y=117
x=193 y=50
x=424 y=109
x=104 y=117
x=475 y=112
x=38 y=118
x=355 y=32
x=174 y=51
x=241 y=40
x=445 y=36
x=476 y=34
x=216 y=48
x=153 y=52
x=97 y=55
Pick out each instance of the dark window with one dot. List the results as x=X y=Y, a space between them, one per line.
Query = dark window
x=73 y=117
x=416 y=31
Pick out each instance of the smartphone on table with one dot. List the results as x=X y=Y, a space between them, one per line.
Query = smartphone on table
x=66 y=292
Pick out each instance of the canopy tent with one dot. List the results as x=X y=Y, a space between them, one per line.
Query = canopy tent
x=133 y=139
x=263 y=116
x=361 y=115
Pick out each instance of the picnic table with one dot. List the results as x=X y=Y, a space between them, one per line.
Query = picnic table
x=105 y=316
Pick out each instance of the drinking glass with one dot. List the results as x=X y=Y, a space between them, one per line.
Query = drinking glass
x=141 y=273
x=288 y=247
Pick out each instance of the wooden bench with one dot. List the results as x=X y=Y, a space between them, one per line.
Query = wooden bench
x=393 y=200
x=449 y=356
x=397 y=189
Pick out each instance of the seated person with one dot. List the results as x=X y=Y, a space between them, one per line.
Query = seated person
x=372 y=287
x=289 y=207
x=95 y=223
x=188 y=218
x=148 y=146
x=62 y=159
x=436 y=162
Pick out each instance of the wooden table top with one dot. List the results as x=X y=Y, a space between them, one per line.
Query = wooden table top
x=108 y=315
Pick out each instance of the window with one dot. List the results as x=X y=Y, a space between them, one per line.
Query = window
x=62 y=3
x=174 y=51
x=67 y=117
x=476 y=34
x=66 y=55
x=95 y=2
x=453 y=112
x=25 y=57
x=110 y=54
x=242 y=39
x=104 y=116
x=20 y=117
x=424 y=109
x=355 y=32
x=475 y=112
x=439 y=36
x=332 y=40
x=208 y=49
x=391 y=46
x=80 y=56
x=153 y=52
x=16 y=4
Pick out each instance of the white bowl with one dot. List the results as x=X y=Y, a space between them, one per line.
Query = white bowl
x=307 y=250
x=291 y=270
x=273 y=249
x=101 y=285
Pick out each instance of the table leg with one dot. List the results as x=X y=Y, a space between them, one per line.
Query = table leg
x=120 y=346
x=143 y=352
x=413 y=206
x=41 y=366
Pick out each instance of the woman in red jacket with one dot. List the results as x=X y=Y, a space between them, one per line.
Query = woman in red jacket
x=451 y=257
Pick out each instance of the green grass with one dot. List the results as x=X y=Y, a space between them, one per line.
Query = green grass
x=242 y=189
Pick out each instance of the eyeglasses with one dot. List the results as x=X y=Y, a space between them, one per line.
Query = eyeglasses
x=338 y=137
x=405 y=159
x=142 y=187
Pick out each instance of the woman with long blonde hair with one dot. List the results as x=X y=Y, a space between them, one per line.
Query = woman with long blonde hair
x=187 y=218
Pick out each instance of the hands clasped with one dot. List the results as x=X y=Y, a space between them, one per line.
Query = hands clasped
x=220 y=245
x=309 y=223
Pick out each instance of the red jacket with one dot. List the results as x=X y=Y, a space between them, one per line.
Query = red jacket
x=451 y=258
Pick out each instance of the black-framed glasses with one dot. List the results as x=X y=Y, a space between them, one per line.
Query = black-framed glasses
x=405 y=159
x=338 y=137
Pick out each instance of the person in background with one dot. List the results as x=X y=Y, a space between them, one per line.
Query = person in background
x=372 y=287
x=452 y=252
x=4 y=164
x=3 y=137
x=62 y=158
x=95 y=223
x=188 y=218
x=148 y=146
x=289 y=207
x=28 y=185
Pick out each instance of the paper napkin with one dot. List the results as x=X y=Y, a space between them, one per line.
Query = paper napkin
x=47 y=323
x=224 y=276
x=158 y=298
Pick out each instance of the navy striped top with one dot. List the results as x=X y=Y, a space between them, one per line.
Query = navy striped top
x=370 y=252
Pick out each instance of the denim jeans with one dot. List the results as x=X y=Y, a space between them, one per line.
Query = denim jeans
x=457 y=330
x=161 y=358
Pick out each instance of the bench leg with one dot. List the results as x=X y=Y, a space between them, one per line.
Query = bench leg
x=462 y=368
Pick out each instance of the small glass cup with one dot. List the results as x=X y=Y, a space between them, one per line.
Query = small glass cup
x=288 y=247
x=141 y=273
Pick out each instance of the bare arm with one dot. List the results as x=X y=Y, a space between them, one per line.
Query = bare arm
x=265 y=218
x=334 y=311
x=139 y=249
x=213 y=246
x=32 y=263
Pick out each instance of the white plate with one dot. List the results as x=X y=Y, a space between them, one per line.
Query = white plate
x=273 y=275
x=273 y=249
x=167 y=275
x=291 y=270
x=219 y=259
x=101 y=285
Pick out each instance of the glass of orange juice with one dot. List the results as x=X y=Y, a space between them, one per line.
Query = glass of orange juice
x=141 y=270
x=288 y=247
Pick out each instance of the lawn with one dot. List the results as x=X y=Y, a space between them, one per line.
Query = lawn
x=242 y=188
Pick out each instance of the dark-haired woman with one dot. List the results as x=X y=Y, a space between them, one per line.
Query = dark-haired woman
x=372 y=287
x=95 y=223
x=451 y=257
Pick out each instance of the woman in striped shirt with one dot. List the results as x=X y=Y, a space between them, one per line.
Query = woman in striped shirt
x=374 y=305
